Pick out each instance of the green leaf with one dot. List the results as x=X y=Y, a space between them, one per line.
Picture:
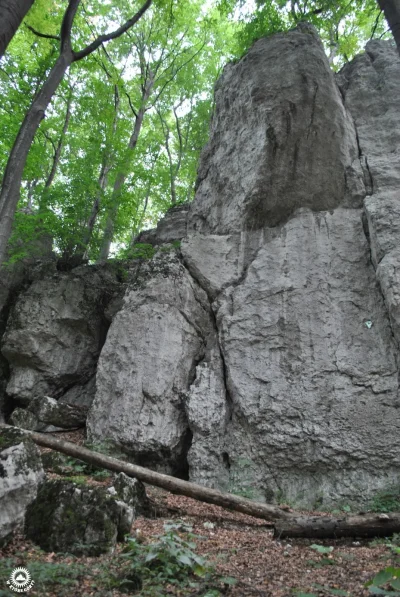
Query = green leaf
x=228 y=580
x=185 y=560
x=321 y=548
x=200 y=570
x=384 y=576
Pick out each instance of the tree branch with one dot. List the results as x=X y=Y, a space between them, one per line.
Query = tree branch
x=113 y=35
x=66 y=25
x=376 y=24
x=44 y=35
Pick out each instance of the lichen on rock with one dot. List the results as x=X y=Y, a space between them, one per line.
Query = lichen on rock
x=83 y=519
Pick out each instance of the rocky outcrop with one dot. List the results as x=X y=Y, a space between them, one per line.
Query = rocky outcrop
x=371 y=90
x=83 y=519
x=21 y=471
x=55 y=332
x=44 y=411
x=148 y=362
x=280 y=140
x=262 y=355
x=172 y=227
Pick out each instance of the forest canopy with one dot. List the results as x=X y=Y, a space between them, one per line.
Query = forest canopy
x=113 y=120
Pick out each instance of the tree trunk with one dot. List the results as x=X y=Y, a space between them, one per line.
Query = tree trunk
x=324 y=527
x=12 y=13
x=60 y=144
x=391 y=10
x=197 y=492
x=10 y=192
x=121 y=177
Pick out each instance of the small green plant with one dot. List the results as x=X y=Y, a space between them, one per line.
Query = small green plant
x=140 y=251
x=386 y=582
x=386 y=501
x=321 y=548
x=78 y=479
x=171 y=559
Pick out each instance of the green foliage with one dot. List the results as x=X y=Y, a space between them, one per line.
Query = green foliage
x=171 y=559
x=78 y=471
x=139 y=251
x=386 y=582
x=387 y=500
x=321 y=548
x=344 y=27
x=78 y=479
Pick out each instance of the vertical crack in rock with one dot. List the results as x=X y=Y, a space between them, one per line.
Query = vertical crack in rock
x=313 y=106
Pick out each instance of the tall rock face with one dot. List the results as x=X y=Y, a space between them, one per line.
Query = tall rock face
x=280 y=230
x=280 y=139
x=148 y=362
x=295 y=394
x=371 y=90
x=262 y=356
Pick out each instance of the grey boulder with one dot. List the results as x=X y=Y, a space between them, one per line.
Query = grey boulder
x=83 y=519
x=21 y=472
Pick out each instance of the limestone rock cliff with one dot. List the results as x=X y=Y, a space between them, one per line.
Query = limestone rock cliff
x=262 y=356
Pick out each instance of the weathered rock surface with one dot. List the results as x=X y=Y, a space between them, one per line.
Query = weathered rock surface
x=172 y=227
x=21 y=472
x=83 y=519
x=295 y=394
x=371 y=89
x=44 y=411
x=56 y=331
x=148 y=362
x=280 y=139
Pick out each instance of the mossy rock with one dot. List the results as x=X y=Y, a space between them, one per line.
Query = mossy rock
x=77 y=518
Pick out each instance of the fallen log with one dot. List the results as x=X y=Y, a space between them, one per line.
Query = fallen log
x=326 y=527
x=192 y=490
x=286 y=524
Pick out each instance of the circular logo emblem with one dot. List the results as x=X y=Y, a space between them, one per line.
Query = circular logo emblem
x=20 y=580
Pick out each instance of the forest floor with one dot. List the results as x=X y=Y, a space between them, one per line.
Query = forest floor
x=244 y=559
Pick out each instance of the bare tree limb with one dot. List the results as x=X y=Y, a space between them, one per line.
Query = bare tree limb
x=113 y=35
x=39 y=34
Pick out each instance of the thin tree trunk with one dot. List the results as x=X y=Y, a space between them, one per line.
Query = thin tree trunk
x=103 y=180
x=138 y=226
x=88 y=232
x=58 y=150
x=391 y=10
x=10 y=191
x=12 y=13
x=121 y=177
